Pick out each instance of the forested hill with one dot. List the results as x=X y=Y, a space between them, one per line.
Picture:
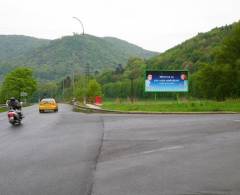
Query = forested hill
x=60 y=57
x=213 y=59
x=128 y=48
x=12 y=46
x=193 y=52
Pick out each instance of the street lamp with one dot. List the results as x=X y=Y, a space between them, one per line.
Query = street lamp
x=75 y=54
x=80 y=23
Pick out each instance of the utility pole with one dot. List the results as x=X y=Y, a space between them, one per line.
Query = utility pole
x=83 y=32
x=132 y=89
x=87 y=75
x=63 y=90
x=87 y=72
x=73 y=82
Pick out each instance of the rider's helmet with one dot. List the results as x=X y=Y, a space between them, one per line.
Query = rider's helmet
x=12 y=98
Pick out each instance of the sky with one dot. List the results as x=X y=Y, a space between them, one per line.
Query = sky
x=152 y=24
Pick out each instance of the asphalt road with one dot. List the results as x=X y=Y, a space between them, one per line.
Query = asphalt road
x=73 y=153
x=50 y=153
x=169 y=155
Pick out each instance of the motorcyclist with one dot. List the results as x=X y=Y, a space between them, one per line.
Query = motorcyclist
x=14 y=104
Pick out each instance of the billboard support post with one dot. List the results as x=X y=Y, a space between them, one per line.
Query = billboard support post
x=177 y=96
x=131 y=90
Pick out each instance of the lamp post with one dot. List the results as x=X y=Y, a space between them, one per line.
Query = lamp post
x=75 y=54
x=63 y=88
x=80 y=23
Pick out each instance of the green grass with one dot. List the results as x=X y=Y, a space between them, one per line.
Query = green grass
x=2 y=110
x=174 y=106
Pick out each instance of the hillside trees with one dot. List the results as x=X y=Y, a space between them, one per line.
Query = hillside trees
x=124 y=82
x=89 y=90
x=212 y=59
x=47 y=89
x=221 y=79
x=57 y=58
x=192 y=53
x=93 y=89
x=17 y=81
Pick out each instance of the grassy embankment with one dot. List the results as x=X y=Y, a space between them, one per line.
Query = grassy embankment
x=2 y=110
x=175 y=106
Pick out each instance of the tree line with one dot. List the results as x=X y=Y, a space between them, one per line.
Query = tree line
x=213 y=60
x=214 y=71
x=21 y=79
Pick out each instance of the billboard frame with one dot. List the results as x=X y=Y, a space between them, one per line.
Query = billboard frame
x=166 y=91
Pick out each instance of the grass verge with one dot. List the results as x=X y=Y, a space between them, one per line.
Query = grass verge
x=175 y=106
x=2 y=110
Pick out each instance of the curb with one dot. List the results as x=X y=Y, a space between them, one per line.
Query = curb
x=86 y=109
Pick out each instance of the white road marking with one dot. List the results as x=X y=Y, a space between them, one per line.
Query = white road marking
x=153 y=151
x=162 y=149
x=150 y=152
x=236 y=120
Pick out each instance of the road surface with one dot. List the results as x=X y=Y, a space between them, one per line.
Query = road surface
x=50 y=153
x=104 y=154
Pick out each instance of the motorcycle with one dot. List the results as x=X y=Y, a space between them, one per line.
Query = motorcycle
x=14 y=117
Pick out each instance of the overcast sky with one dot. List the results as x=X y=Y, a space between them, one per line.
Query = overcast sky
x=152 y=24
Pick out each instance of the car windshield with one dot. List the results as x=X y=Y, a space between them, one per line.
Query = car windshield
x=48 y=101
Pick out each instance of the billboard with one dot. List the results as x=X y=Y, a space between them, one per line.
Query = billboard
x=166 y=81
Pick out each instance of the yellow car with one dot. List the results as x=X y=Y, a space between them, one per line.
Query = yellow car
x=48 y=104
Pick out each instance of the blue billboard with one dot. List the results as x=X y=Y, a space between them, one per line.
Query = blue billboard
x=166 y=81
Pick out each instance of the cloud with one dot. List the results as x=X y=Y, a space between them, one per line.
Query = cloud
x=149 y=23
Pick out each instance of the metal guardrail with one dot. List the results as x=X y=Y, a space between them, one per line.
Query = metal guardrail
x=23 y=105
x=85 y=109
x=3 y=106
x=81 y=108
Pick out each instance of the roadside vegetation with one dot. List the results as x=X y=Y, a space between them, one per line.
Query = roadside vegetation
x=175 y=106
x=212 y=59
x=17 y=81
x=2 y=110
